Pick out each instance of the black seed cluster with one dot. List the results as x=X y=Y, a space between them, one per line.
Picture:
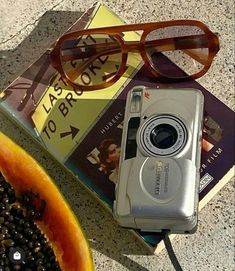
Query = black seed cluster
x=17 y=229
x=34 y=206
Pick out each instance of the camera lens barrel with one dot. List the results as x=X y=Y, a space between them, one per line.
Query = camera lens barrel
x=162 y=135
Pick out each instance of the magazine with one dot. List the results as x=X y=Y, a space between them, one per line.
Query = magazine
x=78 y=129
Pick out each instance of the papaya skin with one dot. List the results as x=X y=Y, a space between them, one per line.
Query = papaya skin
x=58 y=223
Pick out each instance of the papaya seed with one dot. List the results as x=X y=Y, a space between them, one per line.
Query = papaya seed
x=17 y=229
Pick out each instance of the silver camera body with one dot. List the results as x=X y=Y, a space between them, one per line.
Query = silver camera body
x=158 y=186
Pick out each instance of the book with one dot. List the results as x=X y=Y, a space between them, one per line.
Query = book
x=75 y=128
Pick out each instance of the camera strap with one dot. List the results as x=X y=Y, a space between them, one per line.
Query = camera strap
x=171 y=252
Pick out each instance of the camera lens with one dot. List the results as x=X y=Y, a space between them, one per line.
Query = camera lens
x=163 y=136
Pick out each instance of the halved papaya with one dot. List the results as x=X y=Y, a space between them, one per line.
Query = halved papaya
x=57 y=221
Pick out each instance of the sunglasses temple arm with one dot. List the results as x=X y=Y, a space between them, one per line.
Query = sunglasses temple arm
x=184 y=43
x=74 y=73
x=168 y=44
x=199 y=57
x=88 y=51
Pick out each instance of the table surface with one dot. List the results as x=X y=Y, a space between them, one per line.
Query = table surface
x=27 y=28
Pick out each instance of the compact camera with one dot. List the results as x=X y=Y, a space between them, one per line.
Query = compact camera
x=158 y=185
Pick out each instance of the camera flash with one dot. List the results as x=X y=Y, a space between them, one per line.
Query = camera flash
x=135 y=105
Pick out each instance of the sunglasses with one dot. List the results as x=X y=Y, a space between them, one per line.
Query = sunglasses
x=93 y=59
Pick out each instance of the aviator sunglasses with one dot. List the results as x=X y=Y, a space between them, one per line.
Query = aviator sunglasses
x=93 y=59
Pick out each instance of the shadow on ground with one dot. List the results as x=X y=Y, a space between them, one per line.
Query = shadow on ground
x=105 y=237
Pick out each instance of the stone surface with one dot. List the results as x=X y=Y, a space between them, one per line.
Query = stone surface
x=27 y=28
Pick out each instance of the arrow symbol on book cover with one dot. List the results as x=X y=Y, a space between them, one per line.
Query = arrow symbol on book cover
x=73 y=131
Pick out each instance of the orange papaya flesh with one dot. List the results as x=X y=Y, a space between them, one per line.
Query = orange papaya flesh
x=57 y=221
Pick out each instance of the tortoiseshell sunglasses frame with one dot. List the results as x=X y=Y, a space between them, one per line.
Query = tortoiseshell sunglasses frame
x=116 y=32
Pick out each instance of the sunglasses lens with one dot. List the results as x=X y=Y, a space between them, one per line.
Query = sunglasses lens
x=186 y=46
x=91 y=60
